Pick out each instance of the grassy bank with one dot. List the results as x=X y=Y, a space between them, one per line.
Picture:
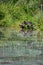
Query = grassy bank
x=13 y=13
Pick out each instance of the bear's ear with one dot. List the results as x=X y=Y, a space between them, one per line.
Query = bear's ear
x=26 y=22
x=2 y=15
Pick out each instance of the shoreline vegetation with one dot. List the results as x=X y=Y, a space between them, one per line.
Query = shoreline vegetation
x=14 y=12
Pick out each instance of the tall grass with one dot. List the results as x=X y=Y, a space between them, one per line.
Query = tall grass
x=15 y=12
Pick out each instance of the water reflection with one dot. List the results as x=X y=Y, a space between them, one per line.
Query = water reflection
x=21 y=50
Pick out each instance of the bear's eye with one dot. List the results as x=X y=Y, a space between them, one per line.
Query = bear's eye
x=28 y=27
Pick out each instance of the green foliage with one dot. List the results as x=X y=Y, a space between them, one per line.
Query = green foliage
x=15 y=1
x=14 y=12
x=2 y=15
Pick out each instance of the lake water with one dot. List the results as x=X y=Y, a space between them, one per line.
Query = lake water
x=17 y=49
